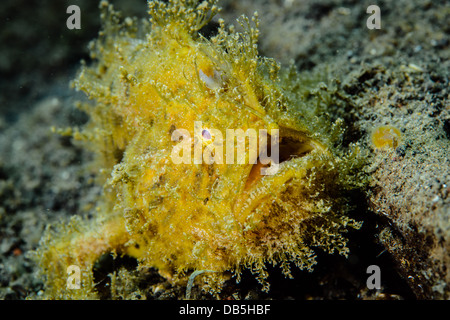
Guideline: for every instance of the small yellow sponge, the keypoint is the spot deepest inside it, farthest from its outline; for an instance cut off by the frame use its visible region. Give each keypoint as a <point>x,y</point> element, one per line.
<point>386,136</point>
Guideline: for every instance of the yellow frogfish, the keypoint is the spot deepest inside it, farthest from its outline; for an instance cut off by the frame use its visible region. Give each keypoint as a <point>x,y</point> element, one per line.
<point>212,158</point>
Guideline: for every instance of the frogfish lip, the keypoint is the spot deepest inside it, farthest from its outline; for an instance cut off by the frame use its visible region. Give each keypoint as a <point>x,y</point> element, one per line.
<point>286,187</point>
<point>292,144</point>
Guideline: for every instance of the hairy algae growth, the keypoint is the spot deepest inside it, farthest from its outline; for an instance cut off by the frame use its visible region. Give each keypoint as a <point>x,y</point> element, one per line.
<point>150,78</point>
